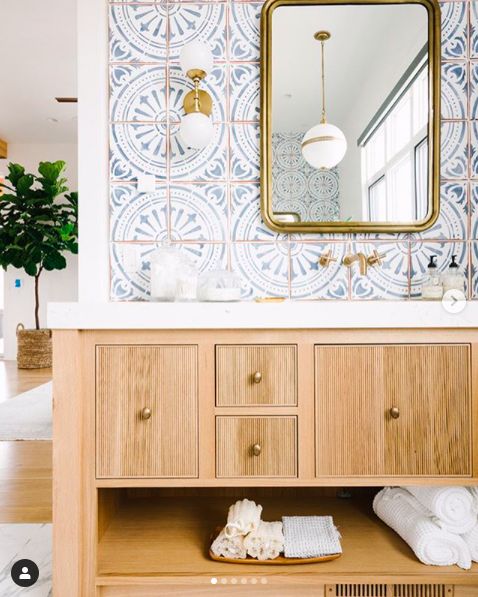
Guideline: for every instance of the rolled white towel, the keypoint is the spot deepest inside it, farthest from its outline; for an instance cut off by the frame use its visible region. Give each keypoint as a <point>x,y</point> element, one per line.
<point>432,544</point>
<point>266,542</point>
<point>471,539</point>
<point>229,547</point>
<point>454,506</point>
<point>243,517</point>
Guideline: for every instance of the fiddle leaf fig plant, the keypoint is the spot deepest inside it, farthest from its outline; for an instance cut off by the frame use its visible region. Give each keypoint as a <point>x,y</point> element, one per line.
<point>38,221</point>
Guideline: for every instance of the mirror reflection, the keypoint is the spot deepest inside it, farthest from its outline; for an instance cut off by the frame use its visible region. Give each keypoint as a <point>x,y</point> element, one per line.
<point>350,113</point>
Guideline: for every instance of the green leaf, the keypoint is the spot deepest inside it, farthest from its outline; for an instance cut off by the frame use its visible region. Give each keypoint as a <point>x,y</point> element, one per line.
<point>30,268</point>
<point>25,183</point>
<point>54,260</point>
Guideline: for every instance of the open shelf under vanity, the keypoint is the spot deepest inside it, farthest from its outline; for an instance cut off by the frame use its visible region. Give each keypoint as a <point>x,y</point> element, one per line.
<point>156,537</point>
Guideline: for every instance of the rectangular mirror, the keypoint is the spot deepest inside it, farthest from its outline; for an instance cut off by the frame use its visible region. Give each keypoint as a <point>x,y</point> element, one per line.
<point>350,108</point>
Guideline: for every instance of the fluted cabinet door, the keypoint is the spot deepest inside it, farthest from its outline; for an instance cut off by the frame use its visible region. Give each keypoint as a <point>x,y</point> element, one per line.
<point>146,411</point>
<point>393,410</point>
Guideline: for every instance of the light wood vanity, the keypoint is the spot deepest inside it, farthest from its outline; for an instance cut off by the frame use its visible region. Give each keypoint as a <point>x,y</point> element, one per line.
<point>157,431</point>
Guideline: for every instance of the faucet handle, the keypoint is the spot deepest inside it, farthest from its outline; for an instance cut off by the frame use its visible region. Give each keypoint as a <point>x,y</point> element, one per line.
<point>326,259</point>
<point>376,258</point>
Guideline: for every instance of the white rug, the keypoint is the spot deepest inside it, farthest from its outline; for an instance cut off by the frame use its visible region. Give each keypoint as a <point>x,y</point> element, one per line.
<point>28,415</point>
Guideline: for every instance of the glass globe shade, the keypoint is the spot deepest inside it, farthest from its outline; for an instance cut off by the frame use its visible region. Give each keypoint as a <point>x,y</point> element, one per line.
<point>196,56</point>
<point>196,130</point>
<point>328,148</point>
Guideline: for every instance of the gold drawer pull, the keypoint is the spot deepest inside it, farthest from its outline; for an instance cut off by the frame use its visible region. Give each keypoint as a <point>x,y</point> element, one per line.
<point>257,449</point>
<point>146,413</point>
<point>257,377</point>
<point>394,412</point>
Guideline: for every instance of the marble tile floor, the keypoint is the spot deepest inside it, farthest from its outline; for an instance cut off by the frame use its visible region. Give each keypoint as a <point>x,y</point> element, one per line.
<point>25,541</point>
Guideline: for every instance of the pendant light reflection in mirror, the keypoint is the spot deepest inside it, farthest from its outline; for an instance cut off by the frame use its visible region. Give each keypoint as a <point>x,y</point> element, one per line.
<point>324,145</point>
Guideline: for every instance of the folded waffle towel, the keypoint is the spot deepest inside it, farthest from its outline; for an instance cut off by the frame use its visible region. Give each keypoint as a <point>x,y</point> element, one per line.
<point>471,539</point>
<point>243,517</point>
<point>229,547</point>
<point>266,542</point>
<point>454,506</point>
<point>423,532</point>
<point>310,536</point>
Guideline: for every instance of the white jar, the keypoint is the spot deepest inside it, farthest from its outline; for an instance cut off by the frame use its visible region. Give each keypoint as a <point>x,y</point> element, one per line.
<point>432,288</point>
<point>173,275</point>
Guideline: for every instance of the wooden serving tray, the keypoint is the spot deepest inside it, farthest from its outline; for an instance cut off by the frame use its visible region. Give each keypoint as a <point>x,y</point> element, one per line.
<point>279,561</point>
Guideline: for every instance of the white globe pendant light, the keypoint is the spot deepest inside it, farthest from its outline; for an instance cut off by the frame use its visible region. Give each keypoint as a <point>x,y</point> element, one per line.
<point>324,145</point>
<point>197,129</point>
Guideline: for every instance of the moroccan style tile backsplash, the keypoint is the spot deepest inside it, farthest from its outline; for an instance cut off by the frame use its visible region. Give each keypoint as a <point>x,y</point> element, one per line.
<point>208,201</point>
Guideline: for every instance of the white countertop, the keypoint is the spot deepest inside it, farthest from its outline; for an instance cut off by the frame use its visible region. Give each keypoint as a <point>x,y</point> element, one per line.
<point>251,315</point>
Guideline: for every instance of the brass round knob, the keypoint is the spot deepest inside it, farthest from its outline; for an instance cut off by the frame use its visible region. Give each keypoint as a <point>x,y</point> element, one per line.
<point>257,449</point>
<point>146,413</point>
<point>394,412</point>
<point>257,377</point>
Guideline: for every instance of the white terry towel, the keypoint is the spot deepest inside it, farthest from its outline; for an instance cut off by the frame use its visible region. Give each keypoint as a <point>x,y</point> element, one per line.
<point>471,539</point>
<point>229,547</point>
<point>454,506</point>
<point>266,542</point>
<point>432,544</point>
<point>243,517</point>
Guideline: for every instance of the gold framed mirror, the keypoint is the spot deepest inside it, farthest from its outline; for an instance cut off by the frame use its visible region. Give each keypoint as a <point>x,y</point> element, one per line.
<point>350,115</point>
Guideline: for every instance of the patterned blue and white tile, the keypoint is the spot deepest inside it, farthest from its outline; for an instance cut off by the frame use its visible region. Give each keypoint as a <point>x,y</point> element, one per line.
<point>138,32</point>
<point>138,216</point>
<point>309,280</point>
<point>452,221</point>
<point>263,267</point>
<point>474,270</point>
<point>205,22</point>
<point>474,149</point>
<point>473,90</point>
<point>386,281</point>
<point>244,92</point>
<point>454,91</point>
<point>25,542</point>
<point>137,149</point>
<point>454,150</point>
<point>420,257</point>
<point>131,266</point>
<point>199,212</point>
<point>454,30</point>
<point>246,220</point>
<point>215,84</point>
<point>192,165</point>
<point>137,93</point>
<point>244,28</point>
<point>244,161</point>
<point>473,29</point>
<point>474,210</point>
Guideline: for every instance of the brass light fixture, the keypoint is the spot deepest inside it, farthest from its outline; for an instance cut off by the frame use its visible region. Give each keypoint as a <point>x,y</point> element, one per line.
<point>196,128</point>
<point>324,145</point>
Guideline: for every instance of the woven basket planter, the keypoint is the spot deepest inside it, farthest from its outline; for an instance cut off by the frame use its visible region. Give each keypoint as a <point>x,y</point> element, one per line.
<point>34,349</point>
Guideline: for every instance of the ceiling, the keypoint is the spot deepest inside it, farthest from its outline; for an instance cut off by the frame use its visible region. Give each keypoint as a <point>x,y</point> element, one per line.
<point>37,64</point>
<point>370,48</point>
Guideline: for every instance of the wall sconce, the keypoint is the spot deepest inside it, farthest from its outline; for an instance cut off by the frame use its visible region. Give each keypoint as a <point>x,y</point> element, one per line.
<point>197,129</point>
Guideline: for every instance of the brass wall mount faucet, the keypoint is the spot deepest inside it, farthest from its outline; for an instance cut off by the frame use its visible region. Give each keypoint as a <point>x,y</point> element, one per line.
<point>364,262</point>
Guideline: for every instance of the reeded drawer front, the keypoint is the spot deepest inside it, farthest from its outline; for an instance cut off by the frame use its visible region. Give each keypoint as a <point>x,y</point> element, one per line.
<point>256,446</point>
<point>259,375</point>
<point>146,411</point>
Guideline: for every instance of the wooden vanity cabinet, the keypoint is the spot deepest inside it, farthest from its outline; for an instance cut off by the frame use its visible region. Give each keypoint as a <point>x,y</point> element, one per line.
<point>146,411</point>
<point>393,410</point>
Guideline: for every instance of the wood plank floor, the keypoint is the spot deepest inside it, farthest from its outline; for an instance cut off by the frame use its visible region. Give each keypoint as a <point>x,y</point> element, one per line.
<point>25,466</point>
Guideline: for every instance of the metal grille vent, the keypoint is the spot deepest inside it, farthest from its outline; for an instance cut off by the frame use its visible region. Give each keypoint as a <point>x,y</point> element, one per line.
<point>379,590</point>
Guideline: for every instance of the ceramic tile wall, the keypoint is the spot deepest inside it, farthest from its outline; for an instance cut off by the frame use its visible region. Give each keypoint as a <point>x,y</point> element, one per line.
<point>208,201</point>
<point>299,188</point>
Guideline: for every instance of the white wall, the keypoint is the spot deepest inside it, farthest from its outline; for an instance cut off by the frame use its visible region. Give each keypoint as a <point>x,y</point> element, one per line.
<point>54,286</point>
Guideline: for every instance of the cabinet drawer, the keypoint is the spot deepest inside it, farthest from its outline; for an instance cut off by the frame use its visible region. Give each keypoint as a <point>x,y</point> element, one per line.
<point>259,375</point>
<point>146,411</point>
<point>256,446</point>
